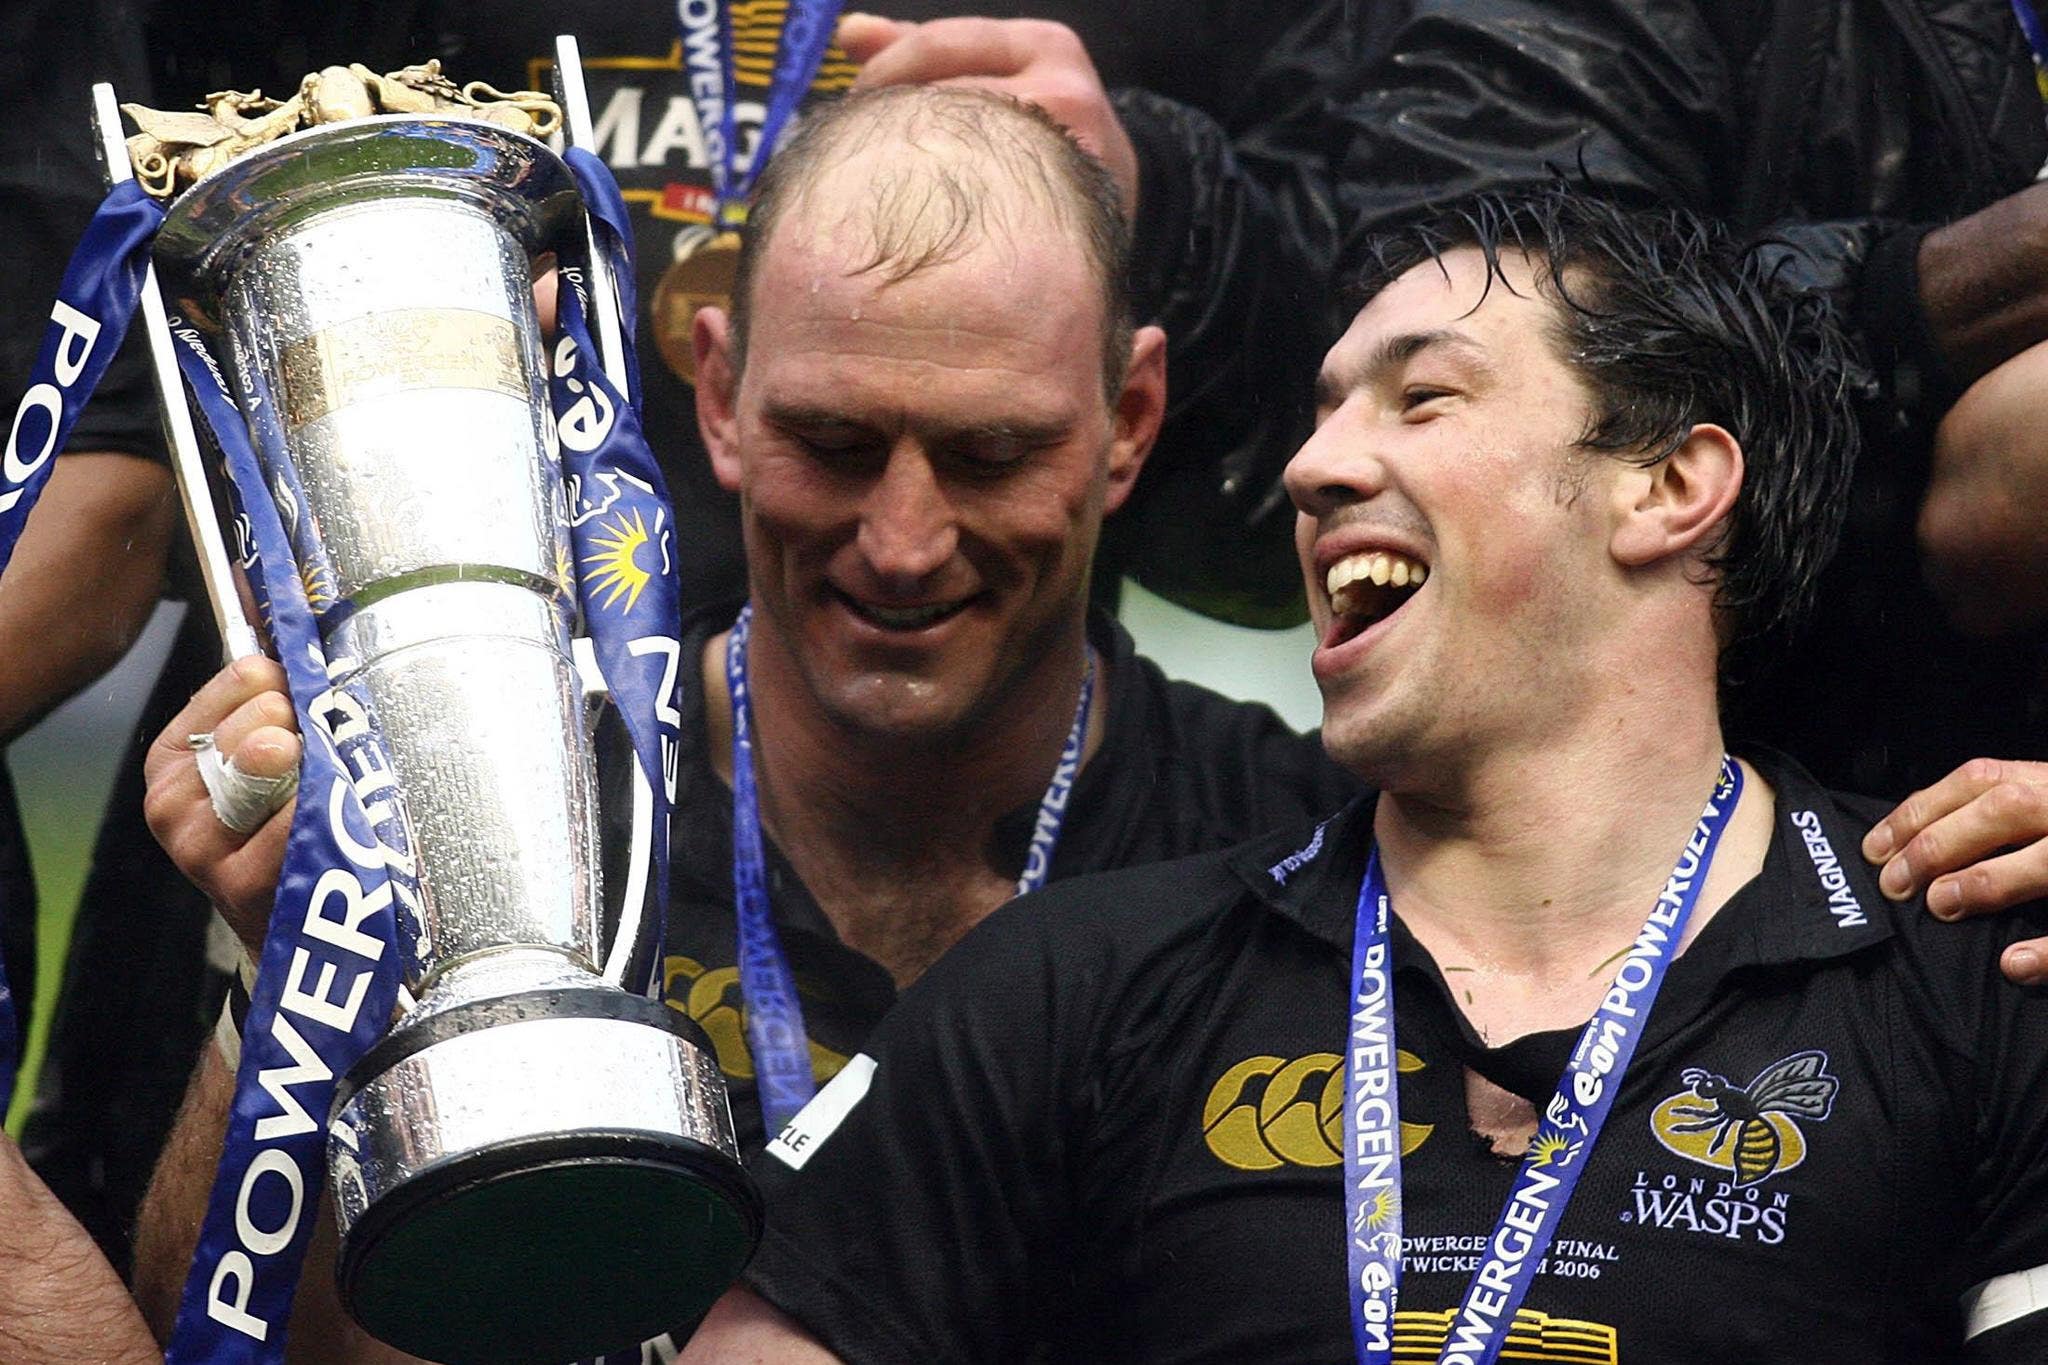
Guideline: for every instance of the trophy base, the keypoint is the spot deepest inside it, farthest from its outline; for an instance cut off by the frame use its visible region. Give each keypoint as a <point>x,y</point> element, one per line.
<point>538,1178</point>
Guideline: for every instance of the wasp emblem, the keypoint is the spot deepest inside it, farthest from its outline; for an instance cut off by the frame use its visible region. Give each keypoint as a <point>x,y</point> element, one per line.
<point>1750,1131</point>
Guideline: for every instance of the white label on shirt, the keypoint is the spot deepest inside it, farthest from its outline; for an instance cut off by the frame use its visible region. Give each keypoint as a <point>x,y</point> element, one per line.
<point>2004,1299</point>
<point>819,1119</point>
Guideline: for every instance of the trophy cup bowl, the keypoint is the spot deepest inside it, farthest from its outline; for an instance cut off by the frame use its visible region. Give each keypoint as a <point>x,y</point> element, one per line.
<point>534,1163</point>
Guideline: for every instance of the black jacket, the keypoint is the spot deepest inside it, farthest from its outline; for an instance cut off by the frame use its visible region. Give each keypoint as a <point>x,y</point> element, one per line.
<point>1842,125</point>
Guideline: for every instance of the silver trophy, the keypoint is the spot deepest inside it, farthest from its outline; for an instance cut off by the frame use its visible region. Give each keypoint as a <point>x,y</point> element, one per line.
<point>534,1163</point>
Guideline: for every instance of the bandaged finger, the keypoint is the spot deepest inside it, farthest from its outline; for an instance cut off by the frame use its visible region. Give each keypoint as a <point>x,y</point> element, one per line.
<point>241,801</point>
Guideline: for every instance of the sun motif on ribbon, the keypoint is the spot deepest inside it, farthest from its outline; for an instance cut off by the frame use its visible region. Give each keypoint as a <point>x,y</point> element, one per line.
<point>615,569</point>
<point>1380,1211</point>
<point>319,587</point>
<point>1551,1149</point>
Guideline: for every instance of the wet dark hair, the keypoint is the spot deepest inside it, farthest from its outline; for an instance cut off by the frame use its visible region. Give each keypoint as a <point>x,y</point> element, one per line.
<point>1669,322</point>
<point>926,211</point>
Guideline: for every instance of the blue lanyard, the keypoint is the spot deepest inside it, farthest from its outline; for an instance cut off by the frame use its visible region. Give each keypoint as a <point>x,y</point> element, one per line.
<point>774,1015</point>
<point>807,28</point>
<point>706,29</point>
<point>1571,1121</point>
<point>2030,24</point>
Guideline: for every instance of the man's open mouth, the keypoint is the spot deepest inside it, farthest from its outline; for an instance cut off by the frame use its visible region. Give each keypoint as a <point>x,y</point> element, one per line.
<point>905,618</point>
<point>1368,587</point>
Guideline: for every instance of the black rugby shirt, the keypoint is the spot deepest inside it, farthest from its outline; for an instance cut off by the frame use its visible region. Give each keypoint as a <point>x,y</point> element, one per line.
<point>1110,1119</point>
<point>1180,770</point>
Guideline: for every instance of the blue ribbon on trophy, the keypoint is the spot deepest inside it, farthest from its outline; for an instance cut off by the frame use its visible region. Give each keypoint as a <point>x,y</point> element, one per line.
<point>613,228</point>
<point>94,302</point>
<point>630,598</point>
<point>328,979</point>
<point>631,590</point>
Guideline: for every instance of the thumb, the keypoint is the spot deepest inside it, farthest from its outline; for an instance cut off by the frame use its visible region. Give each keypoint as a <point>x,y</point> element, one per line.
<point>861,36</point>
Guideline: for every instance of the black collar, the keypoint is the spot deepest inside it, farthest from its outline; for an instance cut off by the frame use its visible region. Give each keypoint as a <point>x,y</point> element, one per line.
<point>1111,792</point>
<point>1814,899</point>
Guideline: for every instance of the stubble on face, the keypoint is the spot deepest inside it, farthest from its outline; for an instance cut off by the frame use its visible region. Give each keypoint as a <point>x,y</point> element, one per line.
<point>1450,423</point>
<point>922,474</point>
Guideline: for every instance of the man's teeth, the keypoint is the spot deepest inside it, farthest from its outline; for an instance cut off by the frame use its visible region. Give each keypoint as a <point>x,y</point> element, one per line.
<point>906,618</point>
<point>1351,580</point>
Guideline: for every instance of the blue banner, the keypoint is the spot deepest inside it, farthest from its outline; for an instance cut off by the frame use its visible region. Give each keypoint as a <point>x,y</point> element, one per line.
<point>330,967</point>
<point>328,978</point>
<point>95,300</point>
<point>624,545</point>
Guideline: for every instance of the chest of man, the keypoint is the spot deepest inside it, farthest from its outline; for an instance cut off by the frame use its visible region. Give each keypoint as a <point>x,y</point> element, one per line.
<point>1782,1177</point>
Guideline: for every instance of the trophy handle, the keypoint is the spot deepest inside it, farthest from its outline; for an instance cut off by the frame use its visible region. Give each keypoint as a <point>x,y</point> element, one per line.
<point>606,329</point>
<point>238,637</point>
<point>619,958</point>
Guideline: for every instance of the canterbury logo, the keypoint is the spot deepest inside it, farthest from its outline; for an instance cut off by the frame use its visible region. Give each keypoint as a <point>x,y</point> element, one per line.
<point>1750,1131</point>
<point>712,998</point>
<point>1268,1112</point>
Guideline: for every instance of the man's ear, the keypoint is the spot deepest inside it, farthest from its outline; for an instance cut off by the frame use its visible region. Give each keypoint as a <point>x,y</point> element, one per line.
<point>1679,504</point>
<point>1139,410</point>
<point>717,392</point>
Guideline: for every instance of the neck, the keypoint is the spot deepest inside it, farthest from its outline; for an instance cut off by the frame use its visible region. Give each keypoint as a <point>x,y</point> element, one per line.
<point>892,834</point>
<point>1528,876</point>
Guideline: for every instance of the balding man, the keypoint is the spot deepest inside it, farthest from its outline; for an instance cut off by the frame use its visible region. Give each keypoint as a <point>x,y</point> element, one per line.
<point>927,396</point>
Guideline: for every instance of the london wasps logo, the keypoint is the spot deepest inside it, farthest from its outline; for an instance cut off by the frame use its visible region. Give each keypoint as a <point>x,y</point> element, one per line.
<point>1268,1112</point>
<point>1751,1131</point>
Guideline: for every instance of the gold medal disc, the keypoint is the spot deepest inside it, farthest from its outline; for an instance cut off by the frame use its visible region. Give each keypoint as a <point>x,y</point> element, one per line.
<point>701,279</point>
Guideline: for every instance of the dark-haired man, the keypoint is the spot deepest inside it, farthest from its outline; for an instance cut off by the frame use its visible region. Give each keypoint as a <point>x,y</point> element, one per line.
<point>1567,459</point>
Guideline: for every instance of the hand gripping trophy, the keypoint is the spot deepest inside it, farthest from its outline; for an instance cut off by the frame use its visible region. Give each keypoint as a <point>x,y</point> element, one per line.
<point>535,1161</point>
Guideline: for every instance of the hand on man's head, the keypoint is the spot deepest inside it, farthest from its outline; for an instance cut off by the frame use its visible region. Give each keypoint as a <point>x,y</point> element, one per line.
<point>1035,60</point>
<point>248,713</point>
